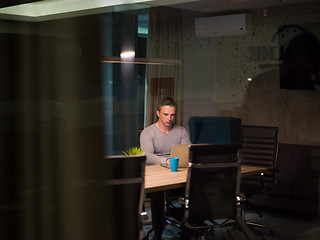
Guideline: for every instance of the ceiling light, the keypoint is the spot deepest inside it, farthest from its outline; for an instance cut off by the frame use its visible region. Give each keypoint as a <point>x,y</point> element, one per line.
<point>53,9</point>
<point>127,54</point>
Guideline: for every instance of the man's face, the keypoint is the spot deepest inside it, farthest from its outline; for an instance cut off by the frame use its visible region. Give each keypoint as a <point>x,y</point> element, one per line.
<point>166,115</point>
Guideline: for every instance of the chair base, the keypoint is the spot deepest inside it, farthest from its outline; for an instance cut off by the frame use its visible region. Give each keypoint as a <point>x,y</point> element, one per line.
<point>239,224</point>
<point>253,226</point>
<point>245,228</point>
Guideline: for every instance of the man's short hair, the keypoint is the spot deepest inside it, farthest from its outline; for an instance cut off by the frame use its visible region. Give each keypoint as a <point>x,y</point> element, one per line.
<point>166,102</point>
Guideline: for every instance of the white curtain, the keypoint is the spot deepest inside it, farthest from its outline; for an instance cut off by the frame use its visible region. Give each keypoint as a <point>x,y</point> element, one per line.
<point>164,43</point>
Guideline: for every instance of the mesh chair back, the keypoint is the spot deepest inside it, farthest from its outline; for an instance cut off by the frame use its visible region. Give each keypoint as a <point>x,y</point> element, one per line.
<point>125,194</point>
<point>259,147</point>
<point>212,182</point>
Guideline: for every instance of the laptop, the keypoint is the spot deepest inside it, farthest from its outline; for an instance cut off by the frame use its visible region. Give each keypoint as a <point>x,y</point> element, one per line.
<point>182,152</point>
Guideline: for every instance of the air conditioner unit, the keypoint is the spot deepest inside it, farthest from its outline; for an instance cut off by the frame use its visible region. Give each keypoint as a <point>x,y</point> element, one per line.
<point>221,25</point>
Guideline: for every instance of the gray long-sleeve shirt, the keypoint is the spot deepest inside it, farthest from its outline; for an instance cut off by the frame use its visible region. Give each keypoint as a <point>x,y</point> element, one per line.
<point>157,146</point>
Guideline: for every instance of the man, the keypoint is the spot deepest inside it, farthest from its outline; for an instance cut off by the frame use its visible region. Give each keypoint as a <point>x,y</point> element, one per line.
<point>156,142</point>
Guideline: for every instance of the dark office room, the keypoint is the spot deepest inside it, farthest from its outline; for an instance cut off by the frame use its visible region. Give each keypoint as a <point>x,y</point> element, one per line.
<point>72,103</point>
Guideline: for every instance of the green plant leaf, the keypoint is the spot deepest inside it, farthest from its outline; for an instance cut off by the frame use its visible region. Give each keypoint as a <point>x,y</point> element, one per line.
<point>133,151</point>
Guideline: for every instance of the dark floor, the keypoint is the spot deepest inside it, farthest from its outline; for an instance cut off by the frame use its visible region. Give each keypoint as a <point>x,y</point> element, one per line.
<point>286,226</point>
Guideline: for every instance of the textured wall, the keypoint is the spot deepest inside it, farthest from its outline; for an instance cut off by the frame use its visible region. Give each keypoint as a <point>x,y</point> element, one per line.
<point>254,55</point>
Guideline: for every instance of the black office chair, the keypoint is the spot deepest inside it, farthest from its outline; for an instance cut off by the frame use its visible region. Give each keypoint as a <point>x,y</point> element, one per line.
<point>259,147</point>
<point>125,194</point>
<point>211,192</point>
<point>147,200</point>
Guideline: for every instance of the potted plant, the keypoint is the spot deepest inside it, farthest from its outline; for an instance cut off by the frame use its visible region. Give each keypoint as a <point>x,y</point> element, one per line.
<point>133,151</point>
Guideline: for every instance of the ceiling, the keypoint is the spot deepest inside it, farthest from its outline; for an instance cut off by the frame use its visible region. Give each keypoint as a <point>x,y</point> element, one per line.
<point>211,6</point>
<point>55,9</point>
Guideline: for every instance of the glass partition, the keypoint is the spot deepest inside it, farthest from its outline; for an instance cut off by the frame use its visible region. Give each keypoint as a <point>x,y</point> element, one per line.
<point>68,98</point>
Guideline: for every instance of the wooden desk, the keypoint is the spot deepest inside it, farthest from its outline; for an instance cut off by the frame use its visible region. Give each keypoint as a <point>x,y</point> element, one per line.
<point>159,178</point>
